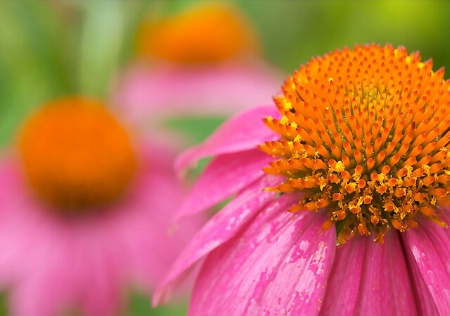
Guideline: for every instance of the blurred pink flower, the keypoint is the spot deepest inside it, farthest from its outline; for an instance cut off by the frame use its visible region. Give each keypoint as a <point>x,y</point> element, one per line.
<point>86,212</point>
<point>357,146</point>
<point>219,89</point>
<point>201,61</point>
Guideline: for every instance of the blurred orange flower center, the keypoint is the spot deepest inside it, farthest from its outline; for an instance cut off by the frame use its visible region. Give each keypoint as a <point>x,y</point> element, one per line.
<point>365,133</point>
<point>76,154</point>
<point>205,33</point>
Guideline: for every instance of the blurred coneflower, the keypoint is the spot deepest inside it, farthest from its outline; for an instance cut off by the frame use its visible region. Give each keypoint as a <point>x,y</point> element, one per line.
<point>341,195</point>
<point>204,60</point>
<point>86,212</point>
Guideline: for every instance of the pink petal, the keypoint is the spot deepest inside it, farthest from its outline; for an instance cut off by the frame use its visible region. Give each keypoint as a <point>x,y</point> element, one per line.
<point>104,278</point>
<point>370,278</point>
<point>429,245</point>
<point>278,265</point>
<point>72,278</point>
<point>146,92</point>
<point>226,174</point>
<point>31,298</point>
<point>242,132</point>
<point>423,299</point>
<point>223,226</point>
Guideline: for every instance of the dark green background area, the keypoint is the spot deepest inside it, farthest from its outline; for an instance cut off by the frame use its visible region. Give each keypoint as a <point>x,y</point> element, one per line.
<point>52,48</point>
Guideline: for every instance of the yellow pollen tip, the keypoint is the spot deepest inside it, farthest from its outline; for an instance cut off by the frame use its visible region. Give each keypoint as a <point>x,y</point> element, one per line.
<point>76,155</point>
<point>366,133</point>
<point>205,33</point>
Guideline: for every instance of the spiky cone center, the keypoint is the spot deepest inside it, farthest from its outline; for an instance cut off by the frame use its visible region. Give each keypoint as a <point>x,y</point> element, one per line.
<point>207,32</point>
<point>364,134</point>
<point>76,155</point>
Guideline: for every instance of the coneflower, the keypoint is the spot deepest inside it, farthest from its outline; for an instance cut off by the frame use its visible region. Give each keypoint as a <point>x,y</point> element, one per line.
<point>340,195</point>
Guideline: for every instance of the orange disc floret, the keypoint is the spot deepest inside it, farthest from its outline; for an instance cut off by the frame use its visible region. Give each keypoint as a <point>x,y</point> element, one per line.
<point>205,33</point>
<point>76,154</point>
<point>368,131</point>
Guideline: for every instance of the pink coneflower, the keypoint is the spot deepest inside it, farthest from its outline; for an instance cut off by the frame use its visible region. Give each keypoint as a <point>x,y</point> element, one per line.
<point>85,212</point>
<point>203,60</point>
<point>340,195</point>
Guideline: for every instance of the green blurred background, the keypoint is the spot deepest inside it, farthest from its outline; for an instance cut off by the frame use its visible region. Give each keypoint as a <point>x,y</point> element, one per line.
<point>51,48</point>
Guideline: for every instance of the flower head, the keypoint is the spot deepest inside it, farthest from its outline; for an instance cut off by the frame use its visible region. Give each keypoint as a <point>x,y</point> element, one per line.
<point>66,149</point>
<point>205,33</point>
<point>364,133</point>
<point>357,145</point>
<point>85,211</point>
<point>201,60</point>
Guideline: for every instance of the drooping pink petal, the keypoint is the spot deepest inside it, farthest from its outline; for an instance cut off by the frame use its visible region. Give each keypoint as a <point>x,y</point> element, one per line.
<point>423,299</point>
<point>430,250</point>
<point>150,92</point>
<point>74,277</point>
<point>242,132</point>
<point>103,277</point>
<point>156,196</point>
<point>278,266</point>
<point>368,278</point>
<point>225,175</point>
<point>30,297</point>
<point>12,222</point>
<point>223,226</point>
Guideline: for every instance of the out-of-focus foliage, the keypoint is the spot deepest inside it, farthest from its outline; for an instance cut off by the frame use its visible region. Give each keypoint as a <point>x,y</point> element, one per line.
<point>52,48</point>
<point>293,31</point>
